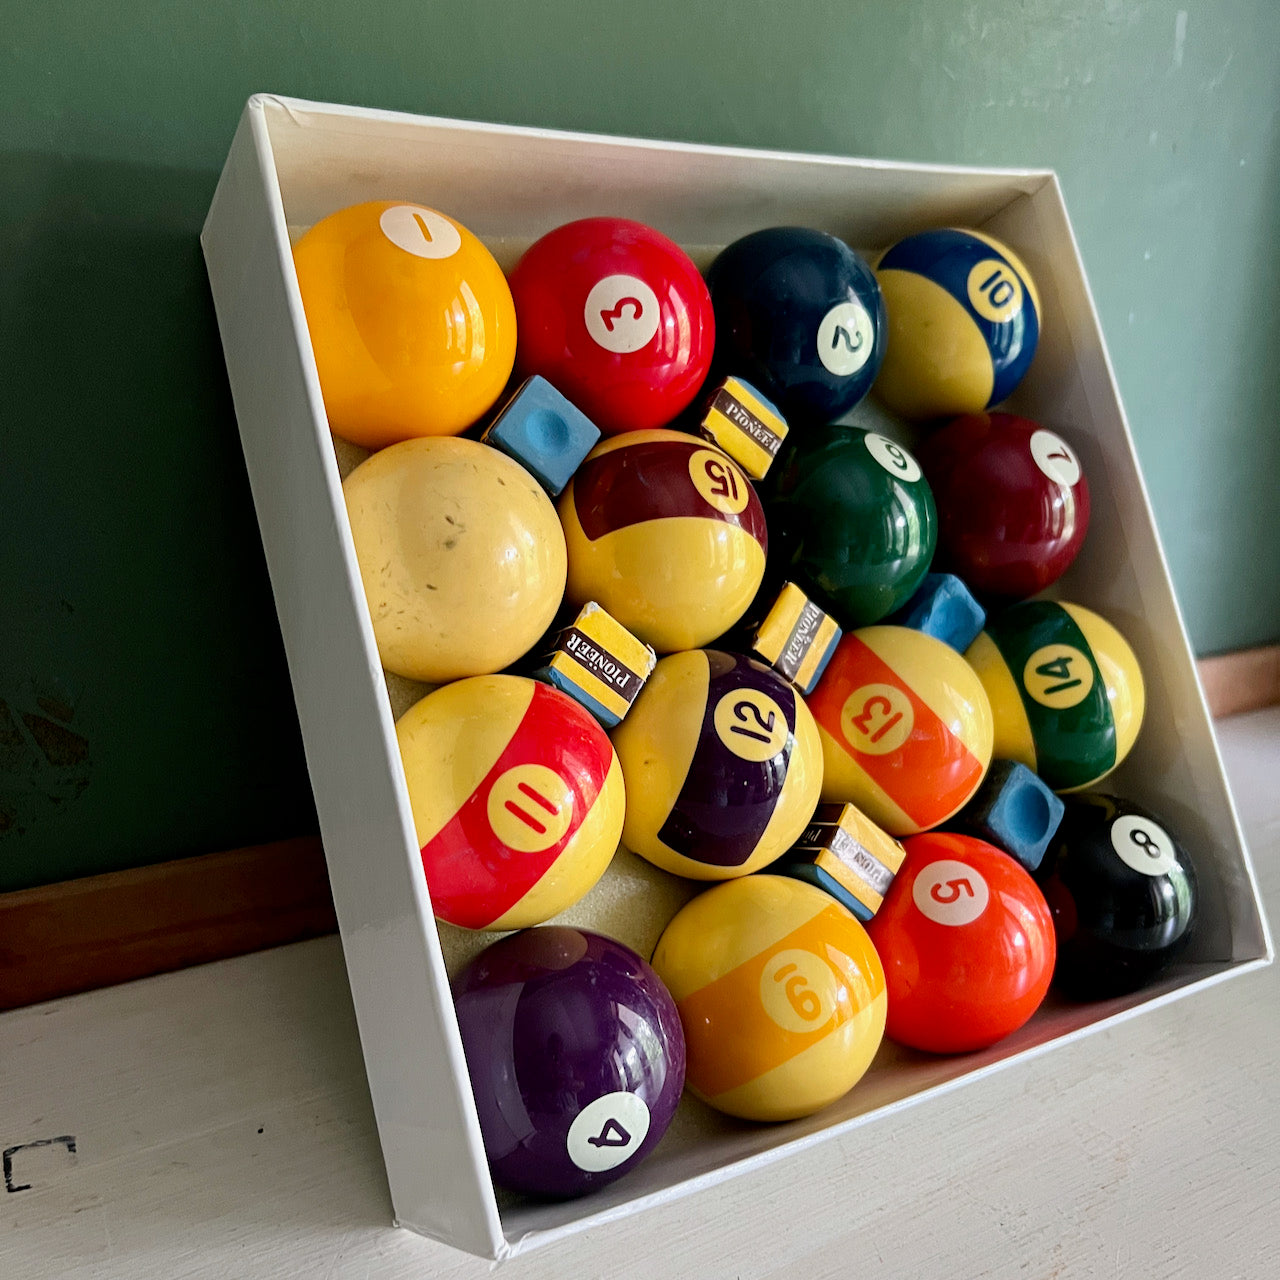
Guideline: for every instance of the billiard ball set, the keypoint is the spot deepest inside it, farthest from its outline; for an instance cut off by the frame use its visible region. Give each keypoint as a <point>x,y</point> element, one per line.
<point>669,512</point>
<point>342,609</point>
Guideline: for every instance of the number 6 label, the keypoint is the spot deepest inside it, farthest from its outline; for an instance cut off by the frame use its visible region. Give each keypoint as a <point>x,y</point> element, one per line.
<point>950,893</point>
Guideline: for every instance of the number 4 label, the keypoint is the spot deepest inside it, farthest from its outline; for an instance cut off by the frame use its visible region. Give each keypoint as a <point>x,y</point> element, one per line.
<point>608,1131</point>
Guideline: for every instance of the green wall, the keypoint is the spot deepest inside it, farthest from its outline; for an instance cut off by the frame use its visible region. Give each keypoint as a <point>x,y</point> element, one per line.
<point>144,703</point>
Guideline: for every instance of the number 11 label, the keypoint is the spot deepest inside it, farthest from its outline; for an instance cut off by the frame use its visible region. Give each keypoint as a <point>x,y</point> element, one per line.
<point>608,1131</point>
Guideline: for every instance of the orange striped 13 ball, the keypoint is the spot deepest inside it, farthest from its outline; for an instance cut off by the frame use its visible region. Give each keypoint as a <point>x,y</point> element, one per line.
<point>905,725</point>
<point>667,534</point>
<point>517,799</point>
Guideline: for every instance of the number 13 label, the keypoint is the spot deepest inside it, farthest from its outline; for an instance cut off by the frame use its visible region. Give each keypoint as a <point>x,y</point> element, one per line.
<point>950,892</point>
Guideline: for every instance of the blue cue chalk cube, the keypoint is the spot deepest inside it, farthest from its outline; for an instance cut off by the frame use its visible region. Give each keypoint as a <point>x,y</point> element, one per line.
<point>944,608</point>
<point>543,432</point>
<point>1015,810</point>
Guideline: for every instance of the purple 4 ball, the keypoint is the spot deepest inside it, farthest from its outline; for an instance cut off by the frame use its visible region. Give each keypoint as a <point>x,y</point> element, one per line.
<point>576,1056</point>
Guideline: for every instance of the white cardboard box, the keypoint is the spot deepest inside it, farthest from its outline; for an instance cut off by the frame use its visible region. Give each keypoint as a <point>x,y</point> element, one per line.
<point>292,163</point>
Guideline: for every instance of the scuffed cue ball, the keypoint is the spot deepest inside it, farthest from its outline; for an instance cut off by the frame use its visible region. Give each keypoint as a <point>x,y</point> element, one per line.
<point>667,534</point>
<point>411,321</point>
<point>722,763</point>
<point>781,995</point>
<point>461,555</point>
<point>517,799</point>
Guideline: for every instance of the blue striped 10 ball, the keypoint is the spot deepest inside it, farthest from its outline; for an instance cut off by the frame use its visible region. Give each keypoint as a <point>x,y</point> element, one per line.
<point>963,323</point>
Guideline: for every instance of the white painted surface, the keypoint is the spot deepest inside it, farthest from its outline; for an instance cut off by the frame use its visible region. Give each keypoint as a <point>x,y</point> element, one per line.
<point>223,1129</point>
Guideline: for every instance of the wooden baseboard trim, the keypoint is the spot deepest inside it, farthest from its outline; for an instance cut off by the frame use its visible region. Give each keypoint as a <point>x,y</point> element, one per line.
<point>63,938</point>
<point>1243,681</point>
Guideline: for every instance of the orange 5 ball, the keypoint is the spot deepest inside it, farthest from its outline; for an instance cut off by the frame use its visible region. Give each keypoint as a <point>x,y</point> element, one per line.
<point>411,321</point>
<point>967,943</point>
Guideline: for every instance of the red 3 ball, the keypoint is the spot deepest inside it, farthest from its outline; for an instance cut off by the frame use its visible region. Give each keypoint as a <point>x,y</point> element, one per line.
<point>1013,502</point>
<point>967,943</point>
<point>617,318</point>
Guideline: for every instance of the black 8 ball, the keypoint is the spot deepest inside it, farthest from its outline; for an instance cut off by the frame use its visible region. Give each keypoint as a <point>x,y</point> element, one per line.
<point>1122,891</point>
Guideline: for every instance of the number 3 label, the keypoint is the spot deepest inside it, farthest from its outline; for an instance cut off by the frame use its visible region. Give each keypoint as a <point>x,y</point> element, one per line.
<point>950,892</point>
<point>608,1131</point>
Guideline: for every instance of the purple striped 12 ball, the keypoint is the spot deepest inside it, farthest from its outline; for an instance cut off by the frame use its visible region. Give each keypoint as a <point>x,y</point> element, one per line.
<point>576,1056</point>
<point>722,763</point>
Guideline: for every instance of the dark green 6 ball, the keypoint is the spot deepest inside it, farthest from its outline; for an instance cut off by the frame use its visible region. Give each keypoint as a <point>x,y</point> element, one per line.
<point>853,521</point>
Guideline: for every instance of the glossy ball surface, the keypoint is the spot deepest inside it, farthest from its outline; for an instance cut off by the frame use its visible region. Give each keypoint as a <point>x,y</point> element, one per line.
<point>1067,694</point>
<point>1013,503</point>
<point>798,315</point>
<point>905,725</point>
<point>1123,893</point>
<point>517,799</point>
<point>667,534</point>
<point>461,555</point>
<point>722,764</point>
<point>967,944</point>
<point>781,995</point>
<point>963,323</point>
<point>411,321</point>
<point>576,1058</point>
<point>853,521</point>
<point>616,317</point>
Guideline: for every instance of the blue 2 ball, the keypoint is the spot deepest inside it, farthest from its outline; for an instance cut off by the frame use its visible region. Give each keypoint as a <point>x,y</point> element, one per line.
<point>798,315</point>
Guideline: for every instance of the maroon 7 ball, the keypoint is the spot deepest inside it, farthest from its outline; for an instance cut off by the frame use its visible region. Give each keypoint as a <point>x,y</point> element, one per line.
<point>1013,503</point>
<point>576,1056</point>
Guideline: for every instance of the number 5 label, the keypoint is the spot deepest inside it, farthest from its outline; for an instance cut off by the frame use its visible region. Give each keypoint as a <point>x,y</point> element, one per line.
<point>950,892</point>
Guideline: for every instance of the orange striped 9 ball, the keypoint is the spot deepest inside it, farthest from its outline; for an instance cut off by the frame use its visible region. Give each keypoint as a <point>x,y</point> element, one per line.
<point>781,995</point>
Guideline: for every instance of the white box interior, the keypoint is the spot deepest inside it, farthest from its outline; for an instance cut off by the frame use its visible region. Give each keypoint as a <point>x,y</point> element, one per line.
<point>294,162</point>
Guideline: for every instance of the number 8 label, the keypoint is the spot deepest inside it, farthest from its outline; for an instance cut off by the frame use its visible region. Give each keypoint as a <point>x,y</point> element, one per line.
<point>1143,845</point>
<point>950,892</point>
